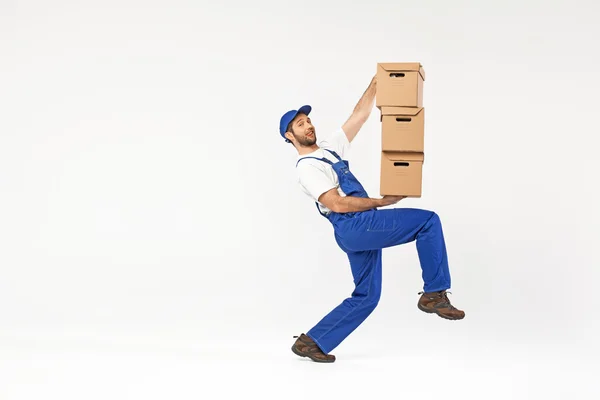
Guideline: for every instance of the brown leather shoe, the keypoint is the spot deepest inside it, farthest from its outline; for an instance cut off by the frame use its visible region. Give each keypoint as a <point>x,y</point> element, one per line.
<point>306,347</point>
<point>438,303</point>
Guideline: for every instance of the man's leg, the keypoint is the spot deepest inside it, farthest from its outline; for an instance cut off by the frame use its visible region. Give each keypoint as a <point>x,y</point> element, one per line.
<point>346,317</point>
<point>390,227</point>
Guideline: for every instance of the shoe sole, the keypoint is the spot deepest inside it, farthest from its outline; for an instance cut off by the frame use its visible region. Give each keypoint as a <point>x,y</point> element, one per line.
<point>296,352</point>
<point>438,314</point>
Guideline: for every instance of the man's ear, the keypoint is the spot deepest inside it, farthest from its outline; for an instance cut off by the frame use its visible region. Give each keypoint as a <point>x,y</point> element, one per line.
<point>289,136</point>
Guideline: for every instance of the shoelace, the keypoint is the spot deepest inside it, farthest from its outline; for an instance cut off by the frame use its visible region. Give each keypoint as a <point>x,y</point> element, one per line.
<point>446,302</point>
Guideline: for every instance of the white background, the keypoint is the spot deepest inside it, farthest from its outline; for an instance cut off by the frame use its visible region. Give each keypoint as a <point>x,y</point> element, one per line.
<point>154,242</point>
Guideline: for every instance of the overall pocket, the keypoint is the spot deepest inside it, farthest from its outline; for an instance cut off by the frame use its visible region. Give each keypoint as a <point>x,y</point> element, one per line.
<point>380,222</point>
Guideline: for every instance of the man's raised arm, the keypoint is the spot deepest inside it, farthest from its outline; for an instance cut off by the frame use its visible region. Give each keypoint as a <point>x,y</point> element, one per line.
<point>361,111</point>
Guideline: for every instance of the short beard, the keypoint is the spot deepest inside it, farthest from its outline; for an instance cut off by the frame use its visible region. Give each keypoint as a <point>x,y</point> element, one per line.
<point>306,141</point>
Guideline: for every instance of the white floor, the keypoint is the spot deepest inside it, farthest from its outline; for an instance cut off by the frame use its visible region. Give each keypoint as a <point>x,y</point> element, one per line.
<point>76,366</point>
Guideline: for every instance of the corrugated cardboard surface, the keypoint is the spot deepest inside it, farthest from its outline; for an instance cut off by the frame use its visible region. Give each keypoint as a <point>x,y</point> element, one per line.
<point>403,129</point>
<point>401,173</point>
<point>400,84</point>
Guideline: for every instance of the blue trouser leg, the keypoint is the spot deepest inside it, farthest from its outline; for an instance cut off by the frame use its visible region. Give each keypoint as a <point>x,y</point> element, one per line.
<point>390,227</point>
<point>346,317</point>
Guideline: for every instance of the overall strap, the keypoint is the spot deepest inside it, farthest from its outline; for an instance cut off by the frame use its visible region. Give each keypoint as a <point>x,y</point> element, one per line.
<point>334,154</point>
<point>316,158</point>
<point>320,159</point>
<point>319,209</point>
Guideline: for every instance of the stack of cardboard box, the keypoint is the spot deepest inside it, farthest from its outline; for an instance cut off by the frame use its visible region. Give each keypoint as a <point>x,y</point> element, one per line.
<point>400,101</point>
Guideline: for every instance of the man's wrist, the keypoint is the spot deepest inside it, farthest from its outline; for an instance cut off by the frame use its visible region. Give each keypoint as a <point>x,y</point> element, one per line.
<point>379,202</point>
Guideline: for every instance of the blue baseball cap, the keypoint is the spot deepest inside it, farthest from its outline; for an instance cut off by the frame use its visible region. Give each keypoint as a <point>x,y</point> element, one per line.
<point>289,116</point>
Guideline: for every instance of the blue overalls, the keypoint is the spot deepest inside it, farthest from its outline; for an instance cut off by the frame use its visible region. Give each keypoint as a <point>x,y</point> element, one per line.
<point>362,236</point>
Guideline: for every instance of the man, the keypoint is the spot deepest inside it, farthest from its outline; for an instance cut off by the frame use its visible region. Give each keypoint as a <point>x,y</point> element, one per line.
<point>361,230</point>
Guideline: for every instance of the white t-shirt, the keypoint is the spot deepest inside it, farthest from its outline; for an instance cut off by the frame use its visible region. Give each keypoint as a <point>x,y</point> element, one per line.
<point>317,177</point>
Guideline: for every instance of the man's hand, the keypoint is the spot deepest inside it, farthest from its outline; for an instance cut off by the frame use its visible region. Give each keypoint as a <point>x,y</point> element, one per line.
<point>388,200</point>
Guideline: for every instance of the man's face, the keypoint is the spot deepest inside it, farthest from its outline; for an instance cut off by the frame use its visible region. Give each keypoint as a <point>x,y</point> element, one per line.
<point>304,131</point>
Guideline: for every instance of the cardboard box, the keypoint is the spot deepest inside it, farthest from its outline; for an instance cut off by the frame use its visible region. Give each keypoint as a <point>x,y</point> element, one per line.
<point>403,129</point>
<point>400,85</point>
<point>401,173</point>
